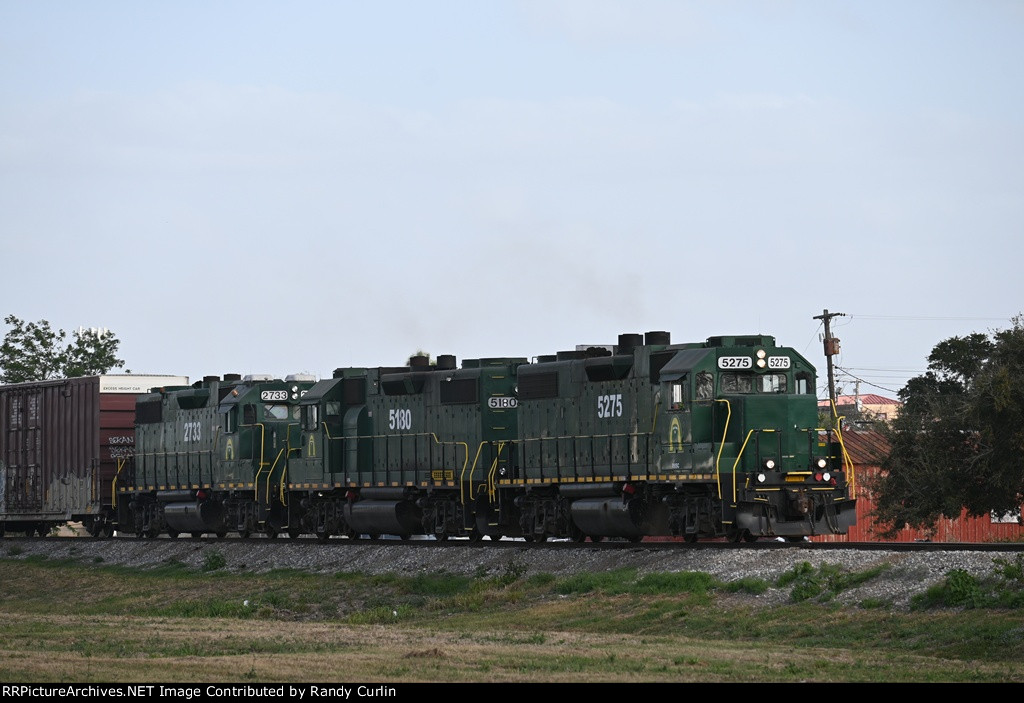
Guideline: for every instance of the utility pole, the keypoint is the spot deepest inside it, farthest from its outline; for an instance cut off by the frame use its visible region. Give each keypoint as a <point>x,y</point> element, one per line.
<point>831,349</point>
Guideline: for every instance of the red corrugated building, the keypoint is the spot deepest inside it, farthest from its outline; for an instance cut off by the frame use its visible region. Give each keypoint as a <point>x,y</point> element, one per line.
<point>867,449</point>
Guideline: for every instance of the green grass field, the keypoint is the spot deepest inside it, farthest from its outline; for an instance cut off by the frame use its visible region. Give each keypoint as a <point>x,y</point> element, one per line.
<point>75,622</point>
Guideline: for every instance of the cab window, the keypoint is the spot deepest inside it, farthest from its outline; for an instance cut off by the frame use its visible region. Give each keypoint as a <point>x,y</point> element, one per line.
<point>275,411</point>
<point>803,383</point>
<point>735,383</point>
<point>773,383</point>
<point>705,386</point>
<point>310,417</point>
<point>678,393</point>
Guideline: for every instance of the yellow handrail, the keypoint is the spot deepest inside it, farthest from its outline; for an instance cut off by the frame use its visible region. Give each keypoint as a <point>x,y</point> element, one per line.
<point>851,473</point>
<point>121,461</point>
<point>736,463</point>
<point>491,471</point>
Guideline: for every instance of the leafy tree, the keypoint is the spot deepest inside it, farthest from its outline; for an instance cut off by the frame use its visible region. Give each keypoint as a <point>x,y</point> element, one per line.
<point>958,442</point>
<point>33,351</point>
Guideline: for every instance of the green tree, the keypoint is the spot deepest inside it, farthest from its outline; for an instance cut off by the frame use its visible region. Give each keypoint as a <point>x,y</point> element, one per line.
<point>33,351</point>
<point>958,441</point>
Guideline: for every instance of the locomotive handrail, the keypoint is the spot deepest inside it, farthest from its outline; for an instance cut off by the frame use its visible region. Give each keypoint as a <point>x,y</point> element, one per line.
<point>472,470</point>
<point>575,454</point>
<point>740,455</point>
<point>493,470</point>
<point>284,475</point>
<point>121,461</point>
<point>721,446</point>
<point>263,442</point>
<point>851,472</point>
<point>847,461</point>
<point>177,455</point>
<point>404,435</point>
<point>736,463</point>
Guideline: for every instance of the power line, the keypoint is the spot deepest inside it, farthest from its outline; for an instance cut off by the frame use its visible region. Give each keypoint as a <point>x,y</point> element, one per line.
<point>923,317</point>
<point>869,383</point>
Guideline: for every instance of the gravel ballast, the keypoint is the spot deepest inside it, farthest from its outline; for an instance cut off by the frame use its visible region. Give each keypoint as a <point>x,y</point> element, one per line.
<point>908,572</point>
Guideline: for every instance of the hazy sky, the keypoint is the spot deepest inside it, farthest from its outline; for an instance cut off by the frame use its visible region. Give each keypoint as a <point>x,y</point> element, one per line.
<point>269,187</point>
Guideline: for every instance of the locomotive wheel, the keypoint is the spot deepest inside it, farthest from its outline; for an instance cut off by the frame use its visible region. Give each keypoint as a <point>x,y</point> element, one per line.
<point>244,534</point>
<point>576,534</point>
<point>475,536</point>
<point>441,537</point>
<point>323,536</point>
<point>597,538</point>
<point>691,538</point>
<point>405,538</point>
<point>749,536</point>
<point>293,532</point>
<point>271,532</point>
<point>221,534</point>
<point>173,534</point>
<point>735,534</point>
<point>635,538</point>
<point>197,535</point>
<point>42,529</point>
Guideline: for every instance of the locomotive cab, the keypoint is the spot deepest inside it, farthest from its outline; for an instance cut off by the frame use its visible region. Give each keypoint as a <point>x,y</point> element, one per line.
<point>776,476</point>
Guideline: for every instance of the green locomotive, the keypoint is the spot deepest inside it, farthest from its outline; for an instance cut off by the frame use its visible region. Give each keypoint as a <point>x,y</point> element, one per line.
<point>404,451</point>
<point>644,438</point>
<point>211,457</point>
<point>702,440</point>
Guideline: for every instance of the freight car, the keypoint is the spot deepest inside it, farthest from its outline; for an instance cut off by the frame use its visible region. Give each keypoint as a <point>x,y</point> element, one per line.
<point>60,444</point>
<point>641,438</point>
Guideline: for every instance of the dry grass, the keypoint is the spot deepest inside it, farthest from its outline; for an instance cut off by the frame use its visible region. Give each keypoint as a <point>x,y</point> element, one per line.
<point>115,626</point>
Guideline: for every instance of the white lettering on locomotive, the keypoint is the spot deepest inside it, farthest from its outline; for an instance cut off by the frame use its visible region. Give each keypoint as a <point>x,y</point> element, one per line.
<point>400,419</point>
<point>609,405</point>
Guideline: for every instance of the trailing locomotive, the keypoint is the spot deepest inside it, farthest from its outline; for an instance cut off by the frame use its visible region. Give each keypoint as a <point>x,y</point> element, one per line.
<point>643,438</point>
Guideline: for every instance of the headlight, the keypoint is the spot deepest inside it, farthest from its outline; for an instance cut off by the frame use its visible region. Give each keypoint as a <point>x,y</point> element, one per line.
<point>761,478</point>
<point>822,463</point>
<point>769,464</point>
<point>826,477</point>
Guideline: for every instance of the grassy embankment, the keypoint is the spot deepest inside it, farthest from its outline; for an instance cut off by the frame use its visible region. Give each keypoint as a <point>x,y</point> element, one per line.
<point>69,621</point>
